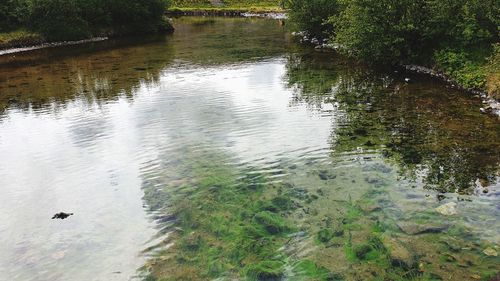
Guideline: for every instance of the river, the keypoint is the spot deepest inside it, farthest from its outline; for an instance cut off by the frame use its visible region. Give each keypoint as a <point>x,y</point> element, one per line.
<point>228,150</point>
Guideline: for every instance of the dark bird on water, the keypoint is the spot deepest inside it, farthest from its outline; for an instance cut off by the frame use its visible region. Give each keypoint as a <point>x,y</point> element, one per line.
<point>62,215</point>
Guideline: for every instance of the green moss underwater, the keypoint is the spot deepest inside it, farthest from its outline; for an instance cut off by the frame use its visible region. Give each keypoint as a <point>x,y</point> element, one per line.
<point>227,223</point>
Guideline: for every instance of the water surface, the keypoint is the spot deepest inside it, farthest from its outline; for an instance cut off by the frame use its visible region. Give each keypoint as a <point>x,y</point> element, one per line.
<point>227,148</point>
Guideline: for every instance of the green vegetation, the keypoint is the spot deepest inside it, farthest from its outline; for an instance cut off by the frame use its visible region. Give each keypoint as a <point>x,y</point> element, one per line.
<point>228,225</point>
<point>19,37</point>
<point>78,19</point>
<point>227,5</point>
<point>455,36</point>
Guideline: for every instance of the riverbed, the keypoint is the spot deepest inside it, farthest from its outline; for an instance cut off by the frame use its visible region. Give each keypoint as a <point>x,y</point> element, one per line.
<point>229,150</point>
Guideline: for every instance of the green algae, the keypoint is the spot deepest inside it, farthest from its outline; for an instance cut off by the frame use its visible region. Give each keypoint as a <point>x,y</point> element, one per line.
<point>347,219</point>
<point>309,270</point>
<point>226,225</point>
<point>265,270</point>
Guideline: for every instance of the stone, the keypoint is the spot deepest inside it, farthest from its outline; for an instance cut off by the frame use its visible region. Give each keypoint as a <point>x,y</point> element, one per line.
<point>490,252</point>
<point>370,208</point>
<point>398,253</point>
<point>412,228</point>
<point>447,209</point>
<point>325,175</point>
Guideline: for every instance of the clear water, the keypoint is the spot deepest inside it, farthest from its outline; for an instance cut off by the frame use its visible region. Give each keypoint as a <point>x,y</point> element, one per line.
<point>163,148</point>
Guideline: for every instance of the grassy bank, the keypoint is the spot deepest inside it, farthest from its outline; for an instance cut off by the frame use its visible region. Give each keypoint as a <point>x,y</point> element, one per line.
<point>226,6</point>
<point>19,38</point>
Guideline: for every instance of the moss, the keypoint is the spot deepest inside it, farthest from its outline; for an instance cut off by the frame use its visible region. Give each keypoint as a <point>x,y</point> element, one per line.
<point>283,203</point>
<point>272,223</point>
<point>265,270</point>
<point>309,270</point>
<point>278,204</point>
<point>372,250</point>
<point>325,235</point>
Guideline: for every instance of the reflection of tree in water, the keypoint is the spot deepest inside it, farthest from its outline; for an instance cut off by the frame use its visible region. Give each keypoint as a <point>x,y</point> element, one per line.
<point>106,71</point>
<point>426,128</point>
<point>93,78</point>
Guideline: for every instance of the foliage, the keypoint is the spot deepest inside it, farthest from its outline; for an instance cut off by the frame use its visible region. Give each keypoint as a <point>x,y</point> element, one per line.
<point>78,19</point>
<point>13,14</point>
<point>312,15</point>
<point>384,30</point>
<point>469,73</point>
<point>438,32</point>
<point>58,20</point>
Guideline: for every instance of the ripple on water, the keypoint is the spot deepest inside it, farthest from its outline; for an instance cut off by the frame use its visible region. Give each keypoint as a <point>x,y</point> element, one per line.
<point>107,134</point>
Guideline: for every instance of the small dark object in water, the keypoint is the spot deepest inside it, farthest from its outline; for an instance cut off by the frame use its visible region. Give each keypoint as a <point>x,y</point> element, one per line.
<point>325,175</point>
<point>361,132</point>
<point>62,215</point>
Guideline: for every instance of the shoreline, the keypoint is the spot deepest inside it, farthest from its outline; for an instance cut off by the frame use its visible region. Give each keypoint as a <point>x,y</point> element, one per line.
<point>492,106</point>
<point>35,42</point>
<point>36,45</point>
<point>228,12</point>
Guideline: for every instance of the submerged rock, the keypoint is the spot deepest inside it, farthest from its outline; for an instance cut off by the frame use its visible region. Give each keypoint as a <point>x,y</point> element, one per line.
<point>490,252</point>
<point>398,253</point>
<point>370,208</point>
<point>447,209</point>
<point>326,175</point>
<point>412,228</point>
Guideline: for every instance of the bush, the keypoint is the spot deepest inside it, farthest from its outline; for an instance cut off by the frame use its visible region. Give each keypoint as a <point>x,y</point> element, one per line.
<point>13,14</point>
<point>469,73</point>
<point>78,19</point>
<point>59,20</point>
<point>312,15</point>
<point>381,31</point>
<point>132,16</point>
<point>493,73</point>
<point>405,31</point>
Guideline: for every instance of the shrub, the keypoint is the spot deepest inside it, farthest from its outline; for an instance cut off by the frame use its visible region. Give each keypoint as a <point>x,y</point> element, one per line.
<point>77,19</point>
<point>381,31</point>
<point>460,67</point>
<point>58,20</point>
<point>131,16</point>
<point>13,14</point>
<point>406,31</point>
<point>312,15</point>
